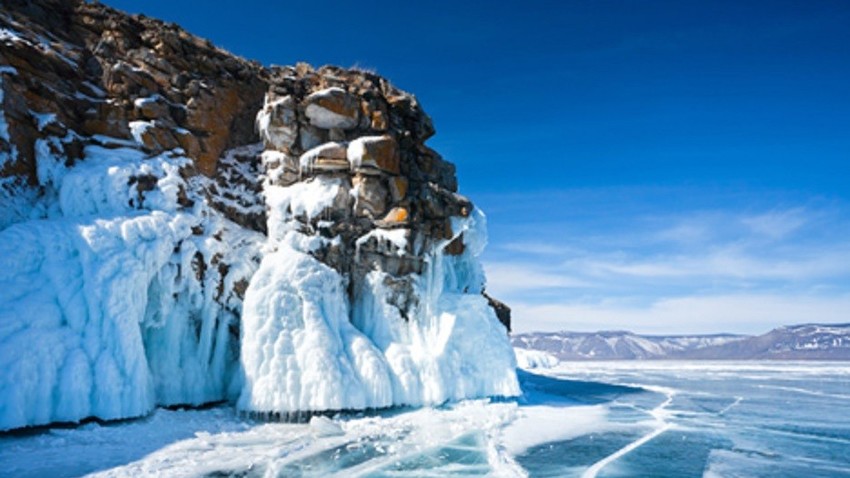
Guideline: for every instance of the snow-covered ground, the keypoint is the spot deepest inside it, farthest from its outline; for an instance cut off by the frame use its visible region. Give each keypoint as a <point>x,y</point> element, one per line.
<point>579,419</point>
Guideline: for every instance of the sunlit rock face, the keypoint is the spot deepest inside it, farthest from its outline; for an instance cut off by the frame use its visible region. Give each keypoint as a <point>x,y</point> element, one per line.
<point>181,226</point>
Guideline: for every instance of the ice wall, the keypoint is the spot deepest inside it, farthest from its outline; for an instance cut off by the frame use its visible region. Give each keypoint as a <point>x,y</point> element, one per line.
<point>105,311</point>
<point>316,338</point>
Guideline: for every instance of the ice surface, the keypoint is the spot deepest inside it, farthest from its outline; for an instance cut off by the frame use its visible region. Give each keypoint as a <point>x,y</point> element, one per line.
<point>4,126</point>
<point>308,199</point>
<point>299,351</point>
<point>570,429</point>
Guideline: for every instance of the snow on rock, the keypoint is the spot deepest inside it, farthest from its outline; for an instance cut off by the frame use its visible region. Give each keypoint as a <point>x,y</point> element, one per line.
<point>332,108</point>
<point>328,156</point>
<point>374,152</point>
<point>307,199</point>
<point>397,239</point>
<point>138,130</point>
<point>276,122</point>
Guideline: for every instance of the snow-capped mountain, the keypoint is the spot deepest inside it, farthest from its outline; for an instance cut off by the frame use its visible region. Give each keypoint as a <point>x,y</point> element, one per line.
<point>795,342</point>
<point>798,342</point>
<point>616,345</point>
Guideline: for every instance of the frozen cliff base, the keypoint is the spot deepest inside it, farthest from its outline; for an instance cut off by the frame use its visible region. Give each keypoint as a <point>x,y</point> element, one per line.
<point>106,313</point>
<point>103,310</point>
<point>300,352</point>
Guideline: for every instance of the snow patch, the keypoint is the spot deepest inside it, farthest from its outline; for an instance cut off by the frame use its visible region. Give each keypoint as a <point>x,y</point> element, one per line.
<point>396,237</point>
<point>138,129</point>
<point>308,199</point>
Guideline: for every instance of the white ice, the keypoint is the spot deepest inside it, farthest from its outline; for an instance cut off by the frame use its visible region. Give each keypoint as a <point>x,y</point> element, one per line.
<point>104,313</point>
<point>306,347</point>
<point>116,296</point>
<point>531,359</point>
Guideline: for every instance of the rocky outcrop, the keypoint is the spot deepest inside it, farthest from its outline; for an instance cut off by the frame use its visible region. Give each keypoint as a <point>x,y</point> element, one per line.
<point>332,159</point>
<point>503,312</point>
<point>78,73</point>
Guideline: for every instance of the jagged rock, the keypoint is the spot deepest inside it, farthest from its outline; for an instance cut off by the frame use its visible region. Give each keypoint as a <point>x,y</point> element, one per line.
<point>503,312</point>
<point>371,196</point>
<point>278,123</point>
<point>329,156</point>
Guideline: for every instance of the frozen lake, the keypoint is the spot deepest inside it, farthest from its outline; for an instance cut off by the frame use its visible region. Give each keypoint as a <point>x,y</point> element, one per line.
<point>609,419</point>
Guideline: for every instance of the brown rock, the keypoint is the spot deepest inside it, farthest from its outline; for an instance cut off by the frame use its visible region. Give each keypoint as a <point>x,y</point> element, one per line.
<point>379,121</point>
<point>371,196</point>
<point>375,153</point>
<point>456,247</point>
<point>398,187</point>
<point>332,108</point>
<point>503,312</point>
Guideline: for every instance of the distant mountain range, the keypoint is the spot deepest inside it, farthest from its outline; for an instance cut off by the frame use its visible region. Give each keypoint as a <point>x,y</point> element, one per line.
<point>796,342</point>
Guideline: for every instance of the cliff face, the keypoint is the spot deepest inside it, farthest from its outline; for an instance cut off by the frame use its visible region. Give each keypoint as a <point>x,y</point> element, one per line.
<point>180,225</point>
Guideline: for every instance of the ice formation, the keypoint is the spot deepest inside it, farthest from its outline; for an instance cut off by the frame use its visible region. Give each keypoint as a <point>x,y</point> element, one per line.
<point>104,311</point>
<point>169,240</point>
<point>306,348</point>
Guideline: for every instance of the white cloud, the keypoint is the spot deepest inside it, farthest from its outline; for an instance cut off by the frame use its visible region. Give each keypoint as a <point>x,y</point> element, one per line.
<point>505,279</point>
<point>776,224</point>
<point>741,313</point>
<point>729,262</point>
<point>698,270</point>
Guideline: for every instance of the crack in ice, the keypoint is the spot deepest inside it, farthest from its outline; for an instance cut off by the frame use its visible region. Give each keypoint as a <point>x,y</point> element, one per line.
<point>656,413</point>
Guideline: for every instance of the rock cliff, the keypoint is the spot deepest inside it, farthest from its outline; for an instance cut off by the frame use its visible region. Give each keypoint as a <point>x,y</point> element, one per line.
<point>179,225</point>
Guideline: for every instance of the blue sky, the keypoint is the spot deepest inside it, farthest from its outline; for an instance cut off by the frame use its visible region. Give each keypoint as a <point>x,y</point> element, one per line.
<point>663,167</point>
